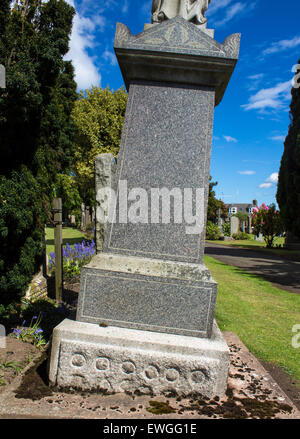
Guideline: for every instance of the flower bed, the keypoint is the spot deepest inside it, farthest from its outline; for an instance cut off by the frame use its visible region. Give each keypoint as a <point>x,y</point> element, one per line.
<point>74,258</point>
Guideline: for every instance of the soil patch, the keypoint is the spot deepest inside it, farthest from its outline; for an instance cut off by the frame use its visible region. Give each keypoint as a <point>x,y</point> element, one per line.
<point>18,354</point>
<point>285,381</point>
<point>34,384</point>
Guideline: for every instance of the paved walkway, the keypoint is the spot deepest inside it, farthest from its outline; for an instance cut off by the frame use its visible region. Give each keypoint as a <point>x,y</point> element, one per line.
<point>283,273</point>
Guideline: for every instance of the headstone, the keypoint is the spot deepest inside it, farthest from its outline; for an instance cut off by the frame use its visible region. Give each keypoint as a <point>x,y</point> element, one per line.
<point>105,165</point>
<point>2,76</point>
<point>234,225</point>
<point>249,225</point>
<point>259,237</point>
<point>145,317</point>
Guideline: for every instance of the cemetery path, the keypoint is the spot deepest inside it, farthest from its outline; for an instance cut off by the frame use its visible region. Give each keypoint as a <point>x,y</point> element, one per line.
<point>282,273</point>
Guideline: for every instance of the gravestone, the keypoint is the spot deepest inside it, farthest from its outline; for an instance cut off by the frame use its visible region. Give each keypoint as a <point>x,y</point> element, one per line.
<point>2,76</point>
<point>234,225</point>
<point>145,317</point>
<point>105,165</point>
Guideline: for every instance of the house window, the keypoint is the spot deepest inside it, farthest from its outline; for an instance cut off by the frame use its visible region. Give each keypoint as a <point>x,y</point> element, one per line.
<point>250,209</point>
<point>233,210</point>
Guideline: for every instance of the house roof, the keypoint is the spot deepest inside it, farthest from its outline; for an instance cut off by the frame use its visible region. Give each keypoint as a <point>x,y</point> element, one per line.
<point>239,205</point>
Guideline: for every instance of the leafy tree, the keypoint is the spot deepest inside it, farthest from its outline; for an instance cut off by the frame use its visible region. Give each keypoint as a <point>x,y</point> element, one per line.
<point>214,204</point>
<point>288,191</point>
<point>99,117</point>
<point>67,189</point>
<point>267,221</point>
<point>35,130</point>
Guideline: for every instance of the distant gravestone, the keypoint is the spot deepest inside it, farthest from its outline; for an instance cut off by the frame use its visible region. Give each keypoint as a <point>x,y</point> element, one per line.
<point>105,168</point>
<point>234,225</point>
<point>2,77</point>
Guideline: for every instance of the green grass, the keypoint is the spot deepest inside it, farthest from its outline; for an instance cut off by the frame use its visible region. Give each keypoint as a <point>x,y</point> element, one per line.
<point>70,235</point>
<point>261,315</point>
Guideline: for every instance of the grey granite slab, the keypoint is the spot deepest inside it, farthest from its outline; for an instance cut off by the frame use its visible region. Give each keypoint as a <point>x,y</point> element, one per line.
<point>166,143</point>
<point>178,303</point>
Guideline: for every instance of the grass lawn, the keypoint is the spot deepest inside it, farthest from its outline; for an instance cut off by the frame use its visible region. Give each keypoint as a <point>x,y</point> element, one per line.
<point>70,235</point>
<point>261,315</point>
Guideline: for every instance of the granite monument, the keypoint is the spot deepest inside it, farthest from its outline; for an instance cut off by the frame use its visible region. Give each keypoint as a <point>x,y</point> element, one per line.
<point>145,316</point>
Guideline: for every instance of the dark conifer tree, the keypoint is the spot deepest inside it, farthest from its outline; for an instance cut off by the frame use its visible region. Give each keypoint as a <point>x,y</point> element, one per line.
<point>288,191</point>
<point>35,130</point>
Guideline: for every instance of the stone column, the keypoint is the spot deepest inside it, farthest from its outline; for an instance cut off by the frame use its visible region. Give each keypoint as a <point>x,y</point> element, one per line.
<point>145,317</point>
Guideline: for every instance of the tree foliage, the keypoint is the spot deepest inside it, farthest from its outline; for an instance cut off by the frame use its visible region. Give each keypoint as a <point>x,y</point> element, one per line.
<point>99,118</point>
<point>214,204</point>
<point>288,191</point>
<point>35,130</point>
<point>267,221</point>
<point>67,189</point>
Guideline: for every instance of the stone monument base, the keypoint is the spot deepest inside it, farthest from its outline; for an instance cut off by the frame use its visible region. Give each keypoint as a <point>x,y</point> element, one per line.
<point>87,356</point>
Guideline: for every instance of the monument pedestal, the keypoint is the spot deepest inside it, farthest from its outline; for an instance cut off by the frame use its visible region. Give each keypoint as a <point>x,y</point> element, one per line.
<point>147,294</point>
<point>145,317</point>
<point>112,359</point>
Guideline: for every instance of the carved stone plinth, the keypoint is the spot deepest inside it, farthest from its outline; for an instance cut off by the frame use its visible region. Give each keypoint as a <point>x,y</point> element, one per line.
<point>89,357</point>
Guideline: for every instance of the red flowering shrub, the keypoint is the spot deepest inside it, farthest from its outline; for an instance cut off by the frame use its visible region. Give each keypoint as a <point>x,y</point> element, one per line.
<point>267,221</point>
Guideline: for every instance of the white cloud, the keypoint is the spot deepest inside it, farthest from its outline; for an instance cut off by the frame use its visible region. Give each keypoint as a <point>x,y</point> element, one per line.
<point>230,139</point>
<point>273,178</point>
<point>230,13</point>
<point>125,6</point>
<point>216,5</point>
<point>282,45</point>
<point>247,172</point>
<point>277,138</point>
<point>254,81</point>
<point>273,97</point>
<point>255,77</point>
<point>86,72</point>
<point>265,185</point>
<point>110,57</point>
<point>270,181</point>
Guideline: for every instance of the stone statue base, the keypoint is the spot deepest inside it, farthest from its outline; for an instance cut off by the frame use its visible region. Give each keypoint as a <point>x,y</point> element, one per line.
<point>86,356</point>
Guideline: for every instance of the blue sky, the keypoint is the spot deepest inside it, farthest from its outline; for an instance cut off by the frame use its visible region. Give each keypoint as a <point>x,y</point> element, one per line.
<point>252,120</point>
